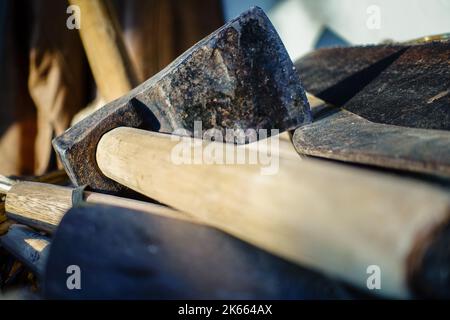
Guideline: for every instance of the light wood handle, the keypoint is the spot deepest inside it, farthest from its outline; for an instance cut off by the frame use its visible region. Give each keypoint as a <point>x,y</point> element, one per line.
<point>38,205</point>
<point>337,219</point>
<point>105,49</point>
<point>42,206</point>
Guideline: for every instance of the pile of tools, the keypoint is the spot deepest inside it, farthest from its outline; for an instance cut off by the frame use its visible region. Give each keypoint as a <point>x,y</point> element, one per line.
<point>361,180</point>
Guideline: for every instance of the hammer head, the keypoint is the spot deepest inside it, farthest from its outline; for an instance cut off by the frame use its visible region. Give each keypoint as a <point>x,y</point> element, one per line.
<point>239,77</point>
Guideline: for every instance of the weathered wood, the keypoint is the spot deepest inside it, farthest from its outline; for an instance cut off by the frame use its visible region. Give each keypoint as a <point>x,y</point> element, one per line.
<point>337,219</point>
<point>42,206</point>
<point>342,135</point>
<point>6,184</point>
<point>399,85</point>
<point>28,246</point>
<point>38,205</point>
<point>125,254</point>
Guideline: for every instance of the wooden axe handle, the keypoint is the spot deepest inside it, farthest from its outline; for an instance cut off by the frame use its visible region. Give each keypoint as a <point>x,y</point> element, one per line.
<point>42,206</point>
<point>337,219</point>
<point>105,48</point>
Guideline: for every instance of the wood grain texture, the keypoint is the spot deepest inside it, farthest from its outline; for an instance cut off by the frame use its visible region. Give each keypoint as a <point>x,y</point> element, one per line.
<point>105,48</point>
<point>42,206</point>
<point>337,219</point>
<point>38,205</point>
<point>342,135</point>
<point>28,246</point>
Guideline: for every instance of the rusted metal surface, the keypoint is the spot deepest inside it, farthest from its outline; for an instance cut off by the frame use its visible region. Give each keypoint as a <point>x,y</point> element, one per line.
<point>342,135</point>
<point>335,75</point>
<point>400,85</point>
<point>239,77</point>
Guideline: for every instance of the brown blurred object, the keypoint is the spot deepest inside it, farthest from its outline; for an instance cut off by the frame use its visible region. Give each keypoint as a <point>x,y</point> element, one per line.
<point>45,77</point>
<point>17,112</point>
<point>158,31</point>
<point>104,46</point>
<point>56,78</point>
<point>43,83</point>
<point>153,32</point>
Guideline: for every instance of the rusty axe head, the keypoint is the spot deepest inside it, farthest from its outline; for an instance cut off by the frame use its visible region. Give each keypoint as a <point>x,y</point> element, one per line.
<point>239,77</point>
<point>402,85</point>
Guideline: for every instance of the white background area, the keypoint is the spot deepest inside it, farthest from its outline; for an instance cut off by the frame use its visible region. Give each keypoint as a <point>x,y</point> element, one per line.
<point>301,22</point>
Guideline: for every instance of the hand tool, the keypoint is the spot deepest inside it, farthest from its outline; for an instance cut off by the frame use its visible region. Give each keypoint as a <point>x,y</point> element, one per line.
<point>385,84</point>
<point>57,177</point>
<point>127,254</point>
<point>42,205</point>
<point>341,135</point>
<point>239,77</point>
<point>336,219</point>
<point>399,84</point>
<point>290,214</point>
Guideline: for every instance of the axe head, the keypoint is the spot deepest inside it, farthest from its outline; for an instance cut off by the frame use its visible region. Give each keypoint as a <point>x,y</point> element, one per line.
<point>402,85</point>
<point>239,77</point>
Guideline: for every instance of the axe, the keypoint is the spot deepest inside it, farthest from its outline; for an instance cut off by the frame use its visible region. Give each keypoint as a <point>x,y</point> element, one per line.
<point>343,136</point>
<point>364,219</point>
<point>239,77</point>
<point>401,84</point>
<point>42,205</point>
<point>321,215</point>
<point>336,219</point>
<point>391,96</point>
<point>339,134</point>
<point>127,254</point>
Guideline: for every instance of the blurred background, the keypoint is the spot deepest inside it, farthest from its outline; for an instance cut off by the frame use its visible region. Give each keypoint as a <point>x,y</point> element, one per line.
<point>45,79</point>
